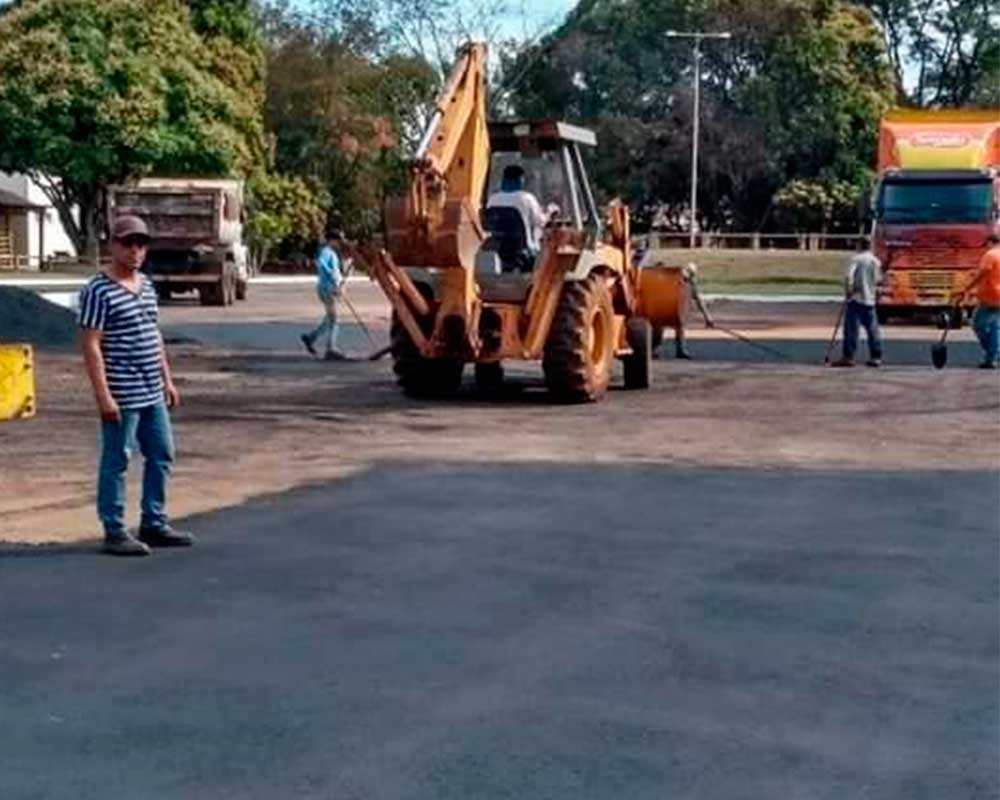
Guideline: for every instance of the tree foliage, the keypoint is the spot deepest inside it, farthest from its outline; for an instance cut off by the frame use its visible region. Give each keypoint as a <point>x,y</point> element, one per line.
<point>796,93</point>
<point>340,118</point>
<point>282,209</point>
<point>93,92</point>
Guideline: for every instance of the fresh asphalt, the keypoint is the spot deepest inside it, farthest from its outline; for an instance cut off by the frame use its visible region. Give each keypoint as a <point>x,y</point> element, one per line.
<point>522,631</point>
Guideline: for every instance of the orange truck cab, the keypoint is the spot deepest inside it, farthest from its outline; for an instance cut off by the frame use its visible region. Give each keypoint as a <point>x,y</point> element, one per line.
<point>935,202</point>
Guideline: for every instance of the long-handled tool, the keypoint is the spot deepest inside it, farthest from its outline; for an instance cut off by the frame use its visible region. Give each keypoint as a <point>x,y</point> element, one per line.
<point>833,336</point>
<point>748,341</point>
<point>378,352</point>
<point>939,350</point>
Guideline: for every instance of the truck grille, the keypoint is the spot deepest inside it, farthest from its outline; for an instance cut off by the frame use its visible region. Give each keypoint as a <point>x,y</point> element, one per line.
<point>934,280</point>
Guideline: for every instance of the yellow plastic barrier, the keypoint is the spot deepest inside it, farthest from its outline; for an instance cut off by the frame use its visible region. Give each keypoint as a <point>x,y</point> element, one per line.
<point>17,381</point>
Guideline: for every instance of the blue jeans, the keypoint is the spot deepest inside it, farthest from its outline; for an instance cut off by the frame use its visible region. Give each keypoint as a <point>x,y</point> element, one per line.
<point>986,324</point>
<point>856,316</point>
<point>328,327</point>
<point>150,428</point>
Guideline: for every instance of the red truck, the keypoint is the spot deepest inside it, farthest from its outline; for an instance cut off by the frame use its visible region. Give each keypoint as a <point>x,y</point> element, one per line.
<point>935,202</point>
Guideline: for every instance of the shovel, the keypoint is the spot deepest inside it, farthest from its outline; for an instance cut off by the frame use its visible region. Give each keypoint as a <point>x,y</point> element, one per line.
<point>939,350</point>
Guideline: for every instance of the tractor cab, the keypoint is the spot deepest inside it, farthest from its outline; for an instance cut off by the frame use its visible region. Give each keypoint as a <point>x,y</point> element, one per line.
<point>547,156</point>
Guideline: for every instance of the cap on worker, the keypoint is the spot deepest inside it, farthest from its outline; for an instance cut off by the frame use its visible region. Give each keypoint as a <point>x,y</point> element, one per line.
<point>129,225</point>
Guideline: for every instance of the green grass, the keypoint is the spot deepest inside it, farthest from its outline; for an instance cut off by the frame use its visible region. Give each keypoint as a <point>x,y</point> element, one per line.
<point>764,271</point>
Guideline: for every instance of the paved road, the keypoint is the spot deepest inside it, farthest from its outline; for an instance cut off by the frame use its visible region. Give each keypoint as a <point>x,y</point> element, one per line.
<point>531,631</point>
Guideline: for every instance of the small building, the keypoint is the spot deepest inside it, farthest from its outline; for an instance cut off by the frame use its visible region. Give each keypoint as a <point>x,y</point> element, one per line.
<point>30,228</point>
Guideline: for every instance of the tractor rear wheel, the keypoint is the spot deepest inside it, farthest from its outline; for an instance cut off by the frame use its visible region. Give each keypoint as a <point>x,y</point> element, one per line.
<point>580,348</point>
<point>638,365</point>
<point>419,376</point>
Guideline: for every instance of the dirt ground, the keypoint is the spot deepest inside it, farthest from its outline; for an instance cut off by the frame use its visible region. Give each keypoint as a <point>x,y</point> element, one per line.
<point>260,417</point>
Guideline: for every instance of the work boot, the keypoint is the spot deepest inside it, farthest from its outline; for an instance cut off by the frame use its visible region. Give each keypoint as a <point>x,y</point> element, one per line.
<point>165,537</point>
<point>843,362</point>
<point>873,362</point>
<point>124,545</point>
<point>682,353</point>
<point>308,343</point>
<point>988,364</point>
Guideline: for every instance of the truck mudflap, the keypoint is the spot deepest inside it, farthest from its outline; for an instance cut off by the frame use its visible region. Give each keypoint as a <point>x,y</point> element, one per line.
<point>17,381</point>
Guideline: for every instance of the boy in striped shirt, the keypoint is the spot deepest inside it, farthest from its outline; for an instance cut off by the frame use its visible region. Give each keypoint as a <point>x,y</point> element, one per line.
<point>127,365</point>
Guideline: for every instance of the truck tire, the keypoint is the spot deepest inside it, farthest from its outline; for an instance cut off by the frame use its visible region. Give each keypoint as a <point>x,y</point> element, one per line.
<point>579,349</point>
<point>419,376</point>
<point>638,365</point>
<point>213,295</point>
<point>163,292</point>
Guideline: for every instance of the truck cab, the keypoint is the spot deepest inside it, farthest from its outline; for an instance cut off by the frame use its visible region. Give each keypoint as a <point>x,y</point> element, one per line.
<point>935,203</point>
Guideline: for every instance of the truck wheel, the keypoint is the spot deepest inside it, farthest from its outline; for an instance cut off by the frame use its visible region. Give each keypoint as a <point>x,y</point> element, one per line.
<point>579,350</point>
<point>163,292</point>
<point>214,295</point>
<point>489,377</point>
<point>419,376</point>
<point>882,315</point>
<point>639,364</point>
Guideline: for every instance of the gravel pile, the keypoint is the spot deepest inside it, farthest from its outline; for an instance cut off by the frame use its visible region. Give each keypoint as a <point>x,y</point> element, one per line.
<point>27,317</point>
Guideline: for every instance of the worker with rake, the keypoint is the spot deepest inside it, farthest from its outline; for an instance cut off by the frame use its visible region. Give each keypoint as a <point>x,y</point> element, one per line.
<point>329,279</point>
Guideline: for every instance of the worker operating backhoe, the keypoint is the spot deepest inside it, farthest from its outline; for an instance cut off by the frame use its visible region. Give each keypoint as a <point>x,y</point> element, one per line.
<point>470,281</point>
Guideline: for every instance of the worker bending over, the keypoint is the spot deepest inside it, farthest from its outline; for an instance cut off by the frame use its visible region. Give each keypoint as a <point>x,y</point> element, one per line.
<point>689,276</point>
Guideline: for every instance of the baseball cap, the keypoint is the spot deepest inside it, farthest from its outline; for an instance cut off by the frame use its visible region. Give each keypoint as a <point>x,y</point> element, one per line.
<point>129,225</point>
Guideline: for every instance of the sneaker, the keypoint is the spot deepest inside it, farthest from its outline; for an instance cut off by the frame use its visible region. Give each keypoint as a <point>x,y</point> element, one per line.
<point>843,362</point>
<point>683,354</point>
<point>165,537</point>
<point>124,545</point>
<point>987,364</point>
<point>307,343</point>
<point>873,362</point>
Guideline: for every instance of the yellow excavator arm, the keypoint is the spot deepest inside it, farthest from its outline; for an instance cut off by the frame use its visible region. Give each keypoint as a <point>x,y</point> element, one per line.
<point>436,223</point>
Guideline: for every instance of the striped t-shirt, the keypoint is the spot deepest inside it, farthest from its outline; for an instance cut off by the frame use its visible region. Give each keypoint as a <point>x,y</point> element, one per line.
<point>130,340</point>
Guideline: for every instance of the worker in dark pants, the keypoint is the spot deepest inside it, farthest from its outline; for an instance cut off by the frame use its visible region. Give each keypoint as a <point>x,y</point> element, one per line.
<point>864,273</point>
<point>689,275</point>
<point>986,321</point>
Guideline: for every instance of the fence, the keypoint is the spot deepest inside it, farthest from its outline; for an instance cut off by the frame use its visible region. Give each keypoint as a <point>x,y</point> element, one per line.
<point>752,241</point>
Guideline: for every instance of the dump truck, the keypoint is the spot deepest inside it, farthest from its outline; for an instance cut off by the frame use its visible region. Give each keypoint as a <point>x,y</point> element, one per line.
<point>935,202</point>
<point>196,230</point>
<point>465,289</point>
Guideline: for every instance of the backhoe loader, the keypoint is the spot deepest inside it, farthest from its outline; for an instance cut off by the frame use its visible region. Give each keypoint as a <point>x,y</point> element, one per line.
<point>465,289</point>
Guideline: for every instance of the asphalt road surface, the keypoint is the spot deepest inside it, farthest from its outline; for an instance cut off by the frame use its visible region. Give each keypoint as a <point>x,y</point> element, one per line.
<point>525,631</point>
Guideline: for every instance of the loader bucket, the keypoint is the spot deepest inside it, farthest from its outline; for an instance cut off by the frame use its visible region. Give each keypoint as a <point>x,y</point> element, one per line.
<point>663,296</point>
<point>17,382</point>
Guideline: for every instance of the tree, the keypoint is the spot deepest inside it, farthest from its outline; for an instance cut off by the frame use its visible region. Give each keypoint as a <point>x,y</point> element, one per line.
<point>338,116</point>
<point>796,93</point>
<point>944,53</point>
<point>93,92</point>
<point>281,209</point>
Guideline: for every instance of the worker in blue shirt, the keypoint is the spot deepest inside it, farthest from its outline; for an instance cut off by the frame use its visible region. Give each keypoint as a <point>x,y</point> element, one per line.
<point>329,277</point>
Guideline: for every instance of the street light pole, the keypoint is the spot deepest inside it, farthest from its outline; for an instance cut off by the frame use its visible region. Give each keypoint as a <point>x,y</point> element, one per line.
<point>697,37</point>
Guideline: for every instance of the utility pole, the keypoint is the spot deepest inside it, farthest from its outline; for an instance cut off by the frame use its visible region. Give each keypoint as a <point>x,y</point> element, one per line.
<point>696,37</point>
